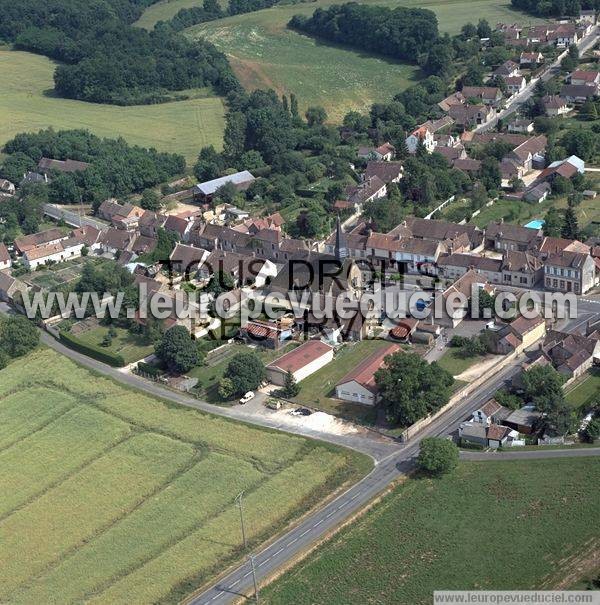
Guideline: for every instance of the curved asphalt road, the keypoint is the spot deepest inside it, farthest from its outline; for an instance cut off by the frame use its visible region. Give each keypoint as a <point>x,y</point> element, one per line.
<point>392,460</point>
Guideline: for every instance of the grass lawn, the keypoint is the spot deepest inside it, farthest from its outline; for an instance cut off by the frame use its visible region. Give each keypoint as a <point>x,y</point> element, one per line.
<point>132,347</point>
<point>318,389</point>
<point>495,525</point>
<point>265,54</point>
<point>584,393</point>
<point>209,375</point>
<point>167,9</point>
<point>110,496</point>
<point>26,105</point>
<point>452,361</point>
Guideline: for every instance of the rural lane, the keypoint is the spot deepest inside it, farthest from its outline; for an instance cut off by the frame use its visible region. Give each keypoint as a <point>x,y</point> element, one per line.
<point>392,461</point>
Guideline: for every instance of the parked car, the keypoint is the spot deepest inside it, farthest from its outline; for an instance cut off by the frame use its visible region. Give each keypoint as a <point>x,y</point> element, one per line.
<point>301,412</point>
<point>247,397</point>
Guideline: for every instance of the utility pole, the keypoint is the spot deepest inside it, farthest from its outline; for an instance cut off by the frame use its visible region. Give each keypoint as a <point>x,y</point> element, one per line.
<point>251,557</point>
<point>238,501</point>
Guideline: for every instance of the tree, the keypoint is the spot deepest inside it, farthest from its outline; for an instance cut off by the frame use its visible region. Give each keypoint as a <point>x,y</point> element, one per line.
<point>225,193</point>
<point>315,116</point>
<point>570,228</point>
<point>291,388</point>
<point>543,388</point>
<point>177,350</point>
<point>490,174</point>
<point>516,184</point>
<point>246,371</point>
<point>150,200</point>
<point>484,29</point>
<point>508,400</point>
<point>293,105</point>
<point>18,335</point>
<point>553,223</point>
<point>4,360</point>
<point>411,388</point>
<point>592,430</point>
<point>234,138</point>
<point>561,185</point>
<point>468,31</point>
<point>220,281</point>
<point>226,388</point>
<point>437,456</point>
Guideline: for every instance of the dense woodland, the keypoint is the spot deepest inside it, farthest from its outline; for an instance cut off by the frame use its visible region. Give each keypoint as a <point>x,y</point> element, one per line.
<point>116,168</point>
<point>402,33</point>
<point>107,60</point>
<point>555,8</point>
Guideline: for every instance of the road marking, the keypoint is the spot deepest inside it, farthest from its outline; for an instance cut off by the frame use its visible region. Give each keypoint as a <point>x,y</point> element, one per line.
<point>304,533</point>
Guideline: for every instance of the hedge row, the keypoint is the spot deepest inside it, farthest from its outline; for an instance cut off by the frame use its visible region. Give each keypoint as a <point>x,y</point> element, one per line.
<point>112,359</point>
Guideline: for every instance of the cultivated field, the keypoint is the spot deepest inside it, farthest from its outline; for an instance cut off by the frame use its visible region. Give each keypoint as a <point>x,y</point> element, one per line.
<point>490,525</point>
<point>108,496</point>
<point>264,53</point>
<point>26,105</point>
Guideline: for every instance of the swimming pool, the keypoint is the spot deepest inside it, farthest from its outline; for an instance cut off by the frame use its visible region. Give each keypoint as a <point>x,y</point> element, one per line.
<point>538,223</point>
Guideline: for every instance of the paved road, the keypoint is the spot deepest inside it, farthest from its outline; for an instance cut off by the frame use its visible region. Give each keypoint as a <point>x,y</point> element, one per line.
<point>566,452</point>
<point>72,218</point>
<point>321,522</point>
<point>553,70</point>
<point>372,444</point>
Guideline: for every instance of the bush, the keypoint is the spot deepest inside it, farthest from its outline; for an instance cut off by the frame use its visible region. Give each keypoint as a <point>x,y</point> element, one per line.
<point>149,369</point>
<point>437,456</point>
<point>112,359</point>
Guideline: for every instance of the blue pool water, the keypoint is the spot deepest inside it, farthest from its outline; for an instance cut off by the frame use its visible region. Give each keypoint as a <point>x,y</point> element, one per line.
<point>536,224</point>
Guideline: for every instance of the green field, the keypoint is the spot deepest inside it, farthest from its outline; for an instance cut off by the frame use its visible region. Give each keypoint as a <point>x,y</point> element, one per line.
<point>165,10</point>
<point>26,105</point>
<point>455,363</point>
<point>489,525</point>
<point>265,54</point>
<point>109,496</point>
<point>586,392</point>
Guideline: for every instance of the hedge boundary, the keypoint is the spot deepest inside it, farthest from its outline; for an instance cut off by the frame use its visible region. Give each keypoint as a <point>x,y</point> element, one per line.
<point>112,359</point>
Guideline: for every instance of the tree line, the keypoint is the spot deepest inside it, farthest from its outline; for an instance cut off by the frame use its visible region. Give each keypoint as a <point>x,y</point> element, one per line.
<point>116,168</point>
<point>104,58</point>
<point>556,8</point>
<point>402,33</point>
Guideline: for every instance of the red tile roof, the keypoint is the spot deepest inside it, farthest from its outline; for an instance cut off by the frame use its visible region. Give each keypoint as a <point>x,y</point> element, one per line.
<point>301,356</point>
<point>364,372</point>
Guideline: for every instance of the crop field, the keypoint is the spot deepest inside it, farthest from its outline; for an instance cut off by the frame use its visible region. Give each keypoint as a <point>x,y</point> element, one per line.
<point>108,496</point>
<point>489,525</point>
<point>26,105</point>
<point>265,54</point>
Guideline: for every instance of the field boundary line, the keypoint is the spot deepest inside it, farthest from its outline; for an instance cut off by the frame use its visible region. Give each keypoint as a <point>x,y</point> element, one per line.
<point>70,474</point>
<point>104,528</point>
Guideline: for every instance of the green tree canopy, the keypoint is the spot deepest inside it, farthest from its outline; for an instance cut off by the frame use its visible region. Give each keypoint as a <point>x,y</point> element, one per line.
<point>177,350</point>
<point>18,335</point>
<point>246,371</point>
<point>437,456</point>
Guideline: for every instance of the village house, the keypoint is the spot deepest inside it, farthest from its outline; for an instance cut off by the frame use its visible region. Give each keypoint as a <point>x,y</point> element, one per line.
<point>521,269</point>
<point>301,362</point>
<point>502,236</point>
<point>420,136</point>
<point>48,236</point>
<point>468,116</point>
<point>488,95</point>
<point>58,252</point>
<point>441,231</point>
<point>564,35</point>
<point>578,94</point>
<point>124,217</point>
<point>521,125</point>
<point>454,266</point>
<point>383,153</point>
<point>523,420</point>
<point>531,59</point>
<point>9,286</point>
<point>181,226</point>
<point>571,354</point>
<point>586,78</point>
<point>556,245</point>
<point>358,386</point>
<point>5,259</point>
<point>538,194</point>
<point>453,302</point>
<point>187,259</point>
<point>240,180</point>
<point>387,172</point>
<point>491,412</point>
<point>468,166</point>
<point>518,335</point>
<point>47,165</point>
<point>515,84</point>
<point>456,98</point>
<point>268,334</point>
<point>370,189</point>
<point>114,241</point>
<point>150,222</point>
<point>566,168</point>
<point>570,272</point>
<point>492,435</point>
<point>555,106</point>
<point>508,69</point>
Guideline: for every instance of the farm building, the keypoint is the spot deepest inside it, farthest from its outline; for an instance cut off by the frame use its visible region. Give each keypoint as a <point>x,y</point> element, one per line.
<point>301,362</point>
<point>241,181</point>
<point>358,386</point>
